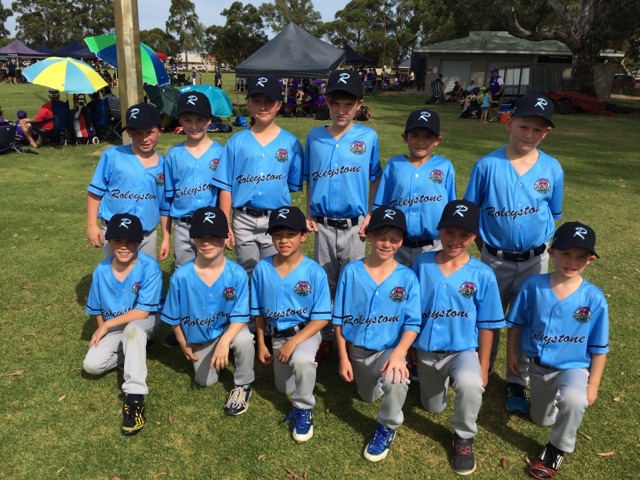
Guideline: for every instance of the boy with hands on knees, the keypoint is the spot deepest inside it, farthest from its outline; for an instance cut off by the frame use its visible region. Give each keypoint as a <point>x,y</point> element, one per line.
<point>560,322</point>
<point>290,298</point>
<point>125,293</point>
<point>376,316</point>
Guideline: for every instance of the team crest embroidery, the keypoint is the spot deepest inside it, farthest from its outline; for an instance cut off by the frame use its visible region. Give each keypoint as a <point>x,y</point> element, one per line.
<point>136,287</point>
<point>398,294</point>
<point>302,288</point>
<point>282,155</point>
<point>358,147</point>
<point>229,294</point>
<point>542,186</point>
<point>467,289</point>
<point>436,176</point>
<point>582,314</point>
<point>213,165</point>
<point>160,179</point>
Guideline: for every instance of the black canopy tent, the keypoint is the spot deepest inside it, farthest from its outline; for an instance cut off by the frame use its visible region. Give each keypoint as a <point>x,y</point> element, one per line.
<point>354,58</point>
<point>293,53</point>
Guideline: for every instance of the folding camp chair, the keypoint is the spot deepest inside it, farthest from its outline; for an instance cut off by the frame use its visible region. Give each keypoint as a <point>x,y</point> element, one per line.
<point>106,120</point>
<point>62,127</point>
<point>8,139</point>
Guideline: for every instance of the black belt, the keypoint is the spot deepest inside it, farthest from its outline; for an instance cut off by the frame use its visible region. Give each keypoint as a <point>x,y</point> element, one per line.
<point>185,219</point>
<point>536,360</point>
<point>417,243</point>
<point>443,352</point>
<point>363,348</point>
<point>516,256</point>
<point>255,212</point>
<point>289,332</point>
<point>339,223</point>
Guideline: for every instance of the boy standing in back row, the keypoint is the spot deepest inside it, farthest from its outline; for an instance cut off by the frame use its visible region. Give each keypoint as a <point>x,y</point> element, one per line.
<point>519,191</point>
<point>342,170</point>
<point>420,184</point>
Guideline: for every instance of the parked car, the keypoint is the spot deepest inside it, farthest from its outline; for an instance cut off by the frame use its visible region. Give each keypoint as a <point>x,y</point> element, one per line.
<point>623,81</point>
<point>202,68</point>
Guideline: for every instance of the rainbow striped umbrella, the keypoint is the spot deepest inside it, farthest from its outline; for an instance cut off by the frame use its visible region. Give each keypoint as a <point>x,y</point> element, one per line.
<point>65,74</point>
<point>153,70</point>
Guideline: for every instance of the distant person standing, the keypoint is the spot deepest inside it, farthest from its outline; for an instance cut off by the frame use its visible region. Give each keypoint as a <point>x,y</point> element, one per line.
<point>194,75</point>
<point>11,67</point>
<point>218,78</point>
<point>496,88</point>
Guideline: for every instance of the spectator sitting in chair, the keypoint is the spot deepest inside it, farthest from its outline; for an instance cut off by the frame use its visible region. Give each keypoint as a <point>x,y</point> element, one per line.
<point>454,94</point>
<point>43,122</point>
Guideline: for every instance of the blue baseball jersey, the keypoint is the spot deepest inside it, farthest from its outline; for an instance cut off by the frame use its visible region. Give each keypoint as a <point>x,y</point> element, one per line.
<point>420,192</point>
<point>126,186</point>
<point>339,171</point>
<point>563,334</point>
<point>205,311</point>
<point>260,176</point>
<point>375,316</point>
<point>301,296</point>
<point>455,307</point>
<point>189,180</point>
<point>516,212</point>
<point>142,289</point>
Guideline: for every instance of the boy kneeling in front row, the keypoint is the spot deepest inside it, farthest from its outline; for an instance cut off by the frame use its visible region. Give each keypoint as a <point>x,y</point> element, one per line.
<point>290,297</point>
<point>376,315</point>
<point>208,307</point>
<point>460,310</point>
<point>560,322</point>
<point>125,294</point>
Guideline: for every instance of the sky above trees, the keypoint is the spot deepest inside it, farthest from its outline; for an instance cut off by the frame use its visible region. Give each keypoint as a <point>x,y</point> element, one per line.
<point>154,13</point>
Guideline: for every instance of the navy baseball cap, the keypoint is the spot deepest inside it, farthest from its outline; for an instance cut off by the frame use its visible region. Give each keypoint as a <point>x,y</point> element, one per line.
<point>387,217</point>
<point>142,116</point>
<point>460,213</point>
<point>493,69</point>
<point>267,85</point>
<point>347,81</point>
<point>575,235</point>
<point>124,225</point>
<point>533,105</point>
<point>423,119</point>
<point>194,102</point>
<point>287,217</point>
<point>209,221</point>
<point>21,114</point>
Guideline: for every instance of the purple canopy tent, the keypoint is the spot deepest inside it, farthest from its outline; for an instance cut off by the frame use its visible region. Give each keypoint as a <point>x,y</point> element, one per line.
<point>18,49</point>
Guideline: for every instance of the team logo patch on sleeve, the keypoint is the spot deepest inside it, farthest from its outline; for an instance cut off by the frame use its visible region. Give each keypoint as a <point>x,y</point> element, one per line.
<point>136,287</point>
<point>302,288</point>
<point>582,314</point>
<point>467,289</point>
<point>160,179</point>
<point>282,155</point>
<point>436,176</point>
<point>229,294</point>
<point>213,165</point>
<point>358,147</point>
<point>398,294</point>
<point>542,185</point>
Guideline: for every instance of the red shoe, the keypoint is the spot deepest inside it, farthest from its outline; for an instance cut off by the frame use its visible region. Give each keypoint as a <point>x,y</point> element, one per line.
<point>324,350</point>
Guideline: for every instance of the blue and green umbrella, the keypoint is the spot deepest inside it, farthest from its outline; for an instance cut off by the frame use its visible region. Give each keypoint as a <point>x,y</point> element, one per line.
<point>153,70</point>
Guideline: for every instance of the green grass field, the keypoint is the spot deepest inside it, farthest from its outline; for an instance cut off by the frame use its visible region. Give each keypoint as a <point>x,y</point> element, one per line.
<point>59,423</point>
